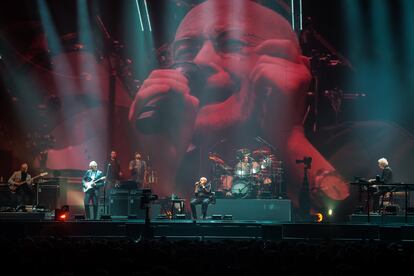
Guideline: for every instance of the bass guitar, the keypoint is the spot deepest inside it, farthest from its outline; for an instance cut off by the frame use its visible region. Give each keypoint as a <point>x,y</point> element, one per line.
<point>91,184</point>
<point>13,187</point>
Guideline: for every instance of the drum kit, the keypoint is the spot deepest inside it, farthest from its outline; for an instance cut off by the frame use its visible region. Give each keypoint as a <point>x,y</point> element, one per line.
<point>256,174</point>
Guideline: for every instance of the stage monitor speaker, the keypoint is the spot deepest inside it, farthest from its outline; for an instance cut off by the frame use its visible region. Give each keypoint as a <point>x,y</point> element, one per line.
<point>135,209</point>
<point>47,196</point>
<point>118,205</point>
<point>5,196</point>
<point>134,206</point>
<point>5,165</point>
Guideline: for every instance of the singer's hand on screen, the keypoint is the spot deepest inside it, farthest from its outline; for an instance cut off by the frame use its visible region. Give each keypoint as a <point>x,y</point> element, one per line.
<point>279,78</point>
<point>160,84</point>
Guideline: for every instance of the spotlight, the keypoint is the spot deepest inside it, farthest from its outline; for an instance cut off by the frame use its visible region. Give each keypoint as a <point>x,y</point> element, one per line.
<point>180,216</point>
<point>330,212</point>
<point>216,217</point>
<point>62,214</point>
<point>318,217</point>
<point>228,217</point>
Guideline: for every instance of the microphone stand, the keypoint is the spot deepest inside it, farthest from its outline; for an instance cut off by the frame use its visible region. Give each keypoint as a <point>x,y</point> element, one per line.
<point>304,199</point>
<point>104,188</point>
<point>280,180</point>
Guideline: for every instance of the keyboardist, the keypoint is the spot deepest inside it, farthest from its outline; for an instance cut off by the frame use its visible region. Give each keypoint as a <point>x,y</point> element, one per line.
<point>385,178</point>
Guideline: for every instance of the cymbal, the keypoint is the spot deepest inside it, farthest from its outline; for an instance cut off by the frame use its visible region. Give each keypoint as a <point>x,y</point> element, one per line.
<point>261,152</point>
<point>243,152</point>
<point>226,167</point>
<point>216,158</point>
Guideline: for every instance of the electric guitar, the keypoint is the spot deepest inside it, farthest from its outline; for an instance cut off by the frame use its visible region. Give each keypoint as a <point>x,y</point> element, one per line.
<point>13,187</point>
<point>91,184</point>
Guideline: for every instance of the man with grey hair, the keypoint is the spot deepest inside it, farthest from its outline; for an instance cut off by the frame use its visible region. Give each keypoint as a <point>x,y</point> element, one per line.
<point>203,196</point>
<point>385,178</point>
<point>91,181</point>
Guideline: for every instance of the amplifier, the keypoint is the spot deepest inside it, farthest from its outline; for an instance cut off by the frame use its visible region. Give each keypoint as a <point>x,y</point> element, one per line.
<point>5,197</point>
<point>118,204</point>
<point>119,192</point>
<point>128,185</point>
<point>134,206</point>
<point>128,203</point>
<point>47,196</point>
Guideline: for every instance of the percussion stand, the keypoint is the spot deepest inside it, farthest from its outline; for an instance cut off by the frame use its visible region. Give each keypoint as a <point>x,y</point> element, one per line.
<point>273,150</point>
<point>216,179</point>
<point>304,199</point>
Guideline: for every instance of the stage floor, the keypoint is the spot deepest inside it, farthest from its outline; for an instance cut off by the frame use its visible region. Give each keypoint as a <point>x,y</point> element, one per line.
<point>34,225</point>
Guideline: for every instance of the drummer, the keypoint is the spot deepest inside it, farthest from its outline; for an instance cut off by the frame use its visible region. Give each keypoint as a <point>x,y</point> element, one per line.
<point>243,168</point>
<point>247,166</point>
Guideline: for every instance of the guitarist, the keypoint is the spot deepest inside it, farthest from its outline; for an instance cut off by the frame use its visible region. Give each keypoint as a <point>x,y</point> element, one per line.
<point>22,181</point>
<point>92,194</point>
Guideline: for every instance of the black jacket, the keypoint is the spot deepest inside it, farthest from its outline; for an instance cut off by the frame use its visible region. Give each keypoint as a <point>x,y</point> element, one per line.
<point>386,175</point>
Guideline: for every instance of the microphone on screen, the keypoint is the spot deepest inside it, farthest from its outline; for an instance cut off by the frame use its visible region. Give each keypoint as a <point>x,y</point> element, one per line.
<point>157,117</point>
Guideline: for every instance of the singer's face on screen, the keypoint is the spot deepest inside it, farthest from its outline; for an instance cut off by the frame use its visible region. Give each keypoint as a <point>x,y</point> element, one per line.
<point>222,37</point>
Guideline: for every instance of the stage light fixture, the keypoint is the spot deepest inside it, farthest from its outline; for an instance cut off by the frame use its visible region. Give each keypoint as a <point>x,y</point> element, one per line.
<point>228,217</point>
<point>62,214</point>
<point>318,217</point>
<point>139,15</point>
<point>216,217</point>
<point>180,216</point>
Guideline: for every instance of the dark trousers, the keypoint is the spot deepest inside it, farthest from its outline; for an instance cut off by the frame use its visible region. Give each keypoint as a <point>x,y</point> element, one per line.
<point>24,196</point>
<point>91,199</point>
<point>378,199</point>
<point>204,201</point>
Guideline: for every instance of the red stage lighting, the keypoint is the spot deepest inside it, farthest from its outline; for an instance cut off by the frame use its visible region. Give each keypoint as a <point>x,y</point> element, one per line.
<point>62,214</point>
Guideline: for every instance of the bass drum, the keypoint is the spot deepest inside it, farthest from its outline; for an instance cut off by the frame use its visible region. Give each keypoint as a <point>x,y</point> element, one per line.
<point>240,189</point>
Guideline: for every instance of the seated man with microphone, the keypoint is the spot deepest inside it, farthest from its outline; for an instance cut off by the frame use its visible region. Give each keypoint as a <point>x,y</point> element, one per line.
<point>203,196</point>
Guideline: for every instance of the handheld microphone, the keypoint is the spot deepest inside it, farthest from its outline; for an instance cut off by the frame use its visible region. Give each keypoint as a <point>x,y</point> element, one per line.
<point>152,118</point>
<point>190,70</point>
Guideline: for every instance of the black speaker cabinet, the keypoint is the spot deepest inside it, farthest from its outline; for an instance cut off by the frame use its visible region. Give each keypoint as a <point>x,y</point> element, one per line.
<point>47,196</point>
<point>118,205</point>
<point>134,206</point>
<point>5,196</point>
